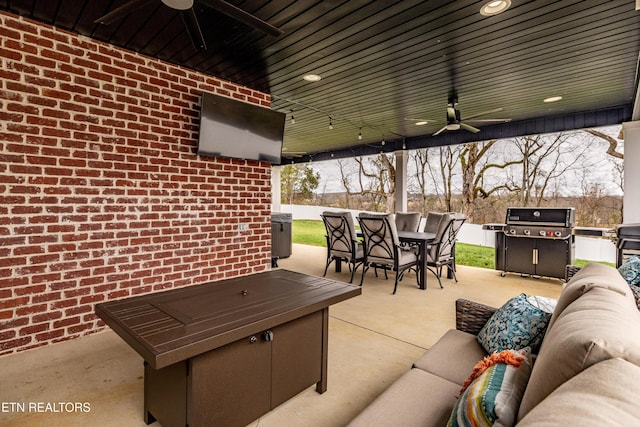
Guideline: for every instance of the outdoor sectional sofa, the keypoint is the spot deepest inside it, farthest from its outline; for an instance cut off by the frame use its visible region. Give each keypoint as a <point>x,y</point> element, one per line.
<point>586,372</point>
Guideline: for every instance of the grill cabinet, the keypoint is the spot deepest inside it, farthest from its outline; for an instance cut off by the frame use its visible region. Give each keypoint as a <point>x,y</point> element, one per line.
<point>627,240</point>
<point>536,242</point>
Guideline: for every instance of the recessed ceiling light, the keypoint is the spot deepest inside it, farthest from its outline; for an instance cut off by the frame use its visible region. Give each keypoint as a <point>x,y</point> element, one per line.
<point>312,77</point>
<point>495,7</point>
<point>552,99</point>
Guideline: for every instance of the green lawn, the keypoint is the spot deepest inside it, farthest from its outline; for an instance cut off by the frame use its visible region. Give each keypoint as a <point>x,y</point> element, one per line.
<point>312,232</point>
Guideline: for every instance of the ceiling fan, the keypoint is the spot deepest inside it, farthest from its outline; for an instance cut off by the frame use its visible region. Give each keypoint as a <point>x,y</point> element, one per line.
<point>190,19</point>
<point>454,122</point>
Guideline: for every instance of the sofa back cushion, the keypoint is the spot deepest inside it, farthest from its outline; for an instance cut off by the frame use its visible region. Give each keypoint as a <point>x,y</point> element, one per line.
<point>598,396</point>
<point>593,275</point>
<point>601,324</point>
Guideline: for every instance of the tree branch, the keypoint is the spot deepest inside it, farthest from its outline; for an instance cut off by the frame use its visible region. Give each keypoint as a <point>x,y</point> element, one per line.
<point>613,143</point>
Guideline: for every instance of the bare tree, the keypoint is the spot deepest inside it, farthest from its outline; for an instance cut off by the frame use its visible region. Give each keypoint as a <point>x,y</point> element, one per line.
<point>436,171</point>
<point>616,156</point>
<point>421,160</point>
<point>475,166</point>
<point>449,158</point>
<point>373,181</point>
<point>544,160</point>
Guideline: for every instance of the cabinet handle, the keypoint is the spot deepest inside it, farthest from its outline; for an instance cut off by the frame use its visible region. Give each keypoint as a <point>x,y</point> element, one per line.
<point>268,336</point>
<point>535,256</point>
<point>253,339</point>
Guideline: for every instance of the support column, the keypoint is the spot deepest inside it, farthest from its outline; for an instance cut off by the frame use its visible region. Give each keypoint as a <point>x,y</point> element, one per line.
<point>401,180</point>
<point>276,201</point>
<point>631,197</point>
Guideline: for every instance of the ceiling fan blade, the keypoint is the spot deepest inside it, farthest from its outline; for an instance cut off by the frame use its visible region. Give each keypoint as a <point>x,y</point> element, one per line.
<point>488,120</point>
<point>242,16</point>
<point>440,131</point>
<point>123,11</point>
<point>469,128</point>
<point>483,113</point>
<point>420,122</point>
<point>193,28</point>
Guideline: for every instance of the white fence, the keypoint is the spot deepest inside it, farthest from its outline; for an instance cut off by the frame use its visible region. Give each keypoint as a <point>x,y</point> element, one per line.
<point>587,248</point>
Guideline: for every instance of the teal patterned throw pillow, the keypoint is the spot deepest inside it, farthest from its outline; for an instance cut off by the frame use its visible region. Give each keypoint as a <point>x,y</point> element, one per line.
<point>630,270</point>
<point>514,326</point>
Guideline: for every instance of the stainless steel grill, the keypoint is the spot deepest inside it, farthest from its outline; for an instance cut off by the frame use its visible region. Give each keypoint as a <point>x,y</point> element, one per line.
<point>627,241</point>
<point>537,242</point>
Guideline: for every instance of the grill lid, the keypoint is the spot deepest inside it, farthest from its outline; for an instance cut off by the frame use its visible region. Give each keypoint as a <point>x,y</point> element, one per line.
<point>554,217</point>
<point>628,231</point>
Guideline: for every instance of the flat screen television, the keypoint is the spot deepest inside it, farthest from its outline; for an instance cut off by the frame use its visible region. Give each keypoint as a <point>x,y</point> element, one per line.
<point>239,130</point>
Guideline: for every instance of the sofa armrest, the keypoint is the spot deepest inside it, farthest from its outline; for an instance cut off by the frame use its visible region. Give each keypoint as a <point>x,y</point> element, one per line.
<point>471,316</point>
<point>571,270</point>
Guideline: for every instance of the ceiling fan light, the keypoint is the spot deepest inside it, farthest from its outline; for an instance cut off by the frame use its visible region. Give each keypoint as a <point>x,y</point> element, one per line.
<point>494,7</point>
<point>179,4</point>
<point>453,126</point>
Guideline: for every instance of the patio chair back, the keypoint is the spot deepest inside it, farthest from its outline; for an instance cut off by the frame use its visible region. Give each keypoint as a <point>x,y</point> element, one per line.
<point>342,244</point>
<point>382,246</point>
<point>443,250</point>
<point>450,236</point>
<point>380,238</point>
<point>408,221</point>
<point>432,222</point>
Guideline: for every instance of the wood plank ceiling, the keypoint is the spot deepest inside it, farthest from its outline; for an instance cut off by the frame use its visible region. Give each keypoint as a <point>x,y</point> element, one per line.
<point>387,64</point>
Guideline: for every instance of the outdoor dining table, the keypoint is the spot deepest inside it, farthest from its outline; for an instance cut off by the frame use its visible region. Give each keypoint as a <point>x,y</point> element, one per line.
<point>422,239</point>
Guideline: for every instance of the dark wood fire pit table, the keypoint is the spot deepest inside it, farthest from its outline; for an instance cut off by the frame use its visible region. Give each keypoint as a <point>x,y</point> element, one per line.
<point>225,353</point>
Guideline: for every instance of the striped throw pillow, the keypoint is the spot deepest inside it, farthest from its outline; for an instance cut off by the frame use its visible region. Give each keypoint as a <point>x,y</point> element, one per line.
<point>493,392</point>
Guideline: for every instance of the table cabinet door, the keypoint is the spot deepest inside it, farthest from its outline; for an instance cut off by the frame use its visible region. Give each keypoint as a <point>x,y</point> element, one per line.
<point>296,357</point>
<point>231,385</point>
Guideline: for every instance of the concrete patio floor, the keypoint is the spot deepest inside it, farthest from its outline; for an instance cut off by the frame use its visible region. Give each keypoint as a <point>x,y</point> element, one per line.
<point>373,339</point>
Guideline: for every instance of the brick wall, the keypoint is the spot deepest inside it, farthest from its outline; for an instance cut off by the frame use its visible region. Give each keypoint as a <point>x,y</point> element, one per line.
<point>101,194</point>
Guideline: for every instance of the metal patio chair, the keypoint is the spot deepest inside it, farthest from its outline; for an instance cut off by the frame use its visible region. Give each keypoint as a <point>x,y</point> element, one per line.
<point>342,243</point>
<point>382,248</point>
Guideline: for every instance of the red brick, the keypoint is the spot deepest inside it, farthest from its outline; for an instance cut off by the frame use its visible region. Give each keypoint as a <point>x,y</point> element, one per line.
<point>47,336</point>
<point>31,309</point>
<point>34,329</point>
<point>16,343</point>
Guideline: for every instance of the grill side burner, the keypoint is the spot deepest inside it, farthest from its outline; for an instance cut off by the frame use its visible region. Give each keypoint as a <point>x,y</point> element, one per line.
<point>537,241</point>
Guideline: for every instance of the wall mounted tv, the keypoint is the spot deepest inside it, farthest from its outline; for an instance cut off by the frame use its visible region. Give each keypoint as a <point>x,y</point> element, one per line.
<point>236,129</point>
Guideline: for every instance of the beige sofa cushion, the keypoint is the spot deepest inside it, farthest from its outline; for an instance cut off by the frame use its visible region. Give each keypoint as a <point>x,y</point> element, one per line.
<point>599,396</point>
<point>453,356</point>
<point>417,398</point>
<point>593,275</point>
<point>601,324</point>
